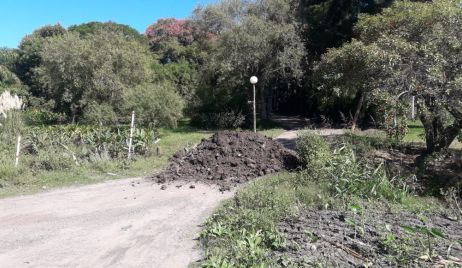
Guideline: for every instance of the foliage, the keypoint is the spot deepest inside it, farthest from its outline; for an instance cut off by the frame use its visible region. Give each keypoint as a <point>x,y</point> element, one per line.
<point>154,104</point>
<point>183,74</point>
<point>8,78</point>
<point>41,117</point>
<point>329,23</point>
<point>425,40</point>
<point>390,113</point>
<point>219,120</point>
<point>253,38</point>
<point>8,57</point>
<point>94,70</point>
<point>313,151</point>
<point>56,148</point>
<point>349,176</point>
<point>29,53</point>
<point>343,75</point>
<point>94,27</point>
<point>171,29</point>
<point>247,224</point>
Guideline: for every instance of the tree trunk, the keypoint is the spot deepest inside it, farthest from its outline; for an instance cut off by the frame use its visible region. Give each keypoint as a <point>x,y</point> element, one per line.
<point>437,136</point>
<point>358,111</point>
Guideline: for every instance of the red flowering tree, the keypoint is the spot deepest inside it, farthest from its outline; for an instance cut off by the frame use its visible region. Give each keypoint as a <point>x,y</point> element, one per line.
<point>171,29</point>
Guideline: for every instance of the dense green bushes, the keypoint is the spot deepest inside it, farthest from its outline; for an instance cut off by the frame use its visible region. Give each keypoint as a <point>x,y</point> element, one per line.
<point>313,151</point>
<point>92,74</point>
<point>345,173</point>
<point>154,104</point>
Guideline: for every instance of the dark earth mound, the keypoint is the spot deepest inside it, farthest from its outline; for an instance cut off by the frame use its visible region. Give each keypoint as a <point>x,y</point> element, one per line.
<point>329,238</point>
<point>227,159</point>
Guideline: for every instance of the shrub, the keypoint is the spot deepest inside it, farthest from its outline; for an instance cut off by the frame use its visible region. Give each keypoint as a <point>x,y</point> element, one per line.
<point>347,176</point>
<point>154,104</point>
<point>40,117</point>
<point>99,114</point>
<point>220,120</point>
<point>313,151</point>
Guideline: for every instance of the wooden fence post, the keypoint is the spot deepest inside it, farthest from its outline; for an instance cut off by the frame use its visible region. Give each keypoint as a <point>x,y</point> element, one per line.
<point>18,148</point>
<point>131,135</point>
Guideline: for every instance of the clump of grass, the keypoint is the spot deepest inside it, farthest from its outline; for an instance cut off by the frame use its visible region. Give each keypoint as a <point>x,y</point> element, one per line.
<point>313,151</point>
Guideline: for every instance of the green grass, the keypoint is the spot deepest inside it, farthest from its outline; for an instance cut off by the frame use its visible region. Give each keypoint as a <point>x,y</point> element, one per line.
<point>417,134</point>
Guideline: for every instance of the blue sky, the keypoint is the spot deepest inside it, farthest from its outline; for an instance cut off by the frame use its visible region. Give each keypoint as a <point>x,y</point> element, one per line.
<point>21,17</point>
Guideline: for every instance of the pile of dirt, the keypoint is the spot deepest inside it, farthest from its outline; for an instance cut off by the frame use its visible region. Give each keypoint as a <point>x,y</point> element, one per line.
<point>371,238</point>
<point>227,159</point>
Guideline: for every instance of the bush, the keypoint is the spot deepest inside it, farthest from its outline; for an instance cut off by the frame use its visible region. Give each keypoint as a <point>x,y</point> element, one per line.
<point>154,104</point>
<point>40,117</point>
<point>347,176</point>
<point>99,114</point>
<point>219,120</point>
<point>313,151</point>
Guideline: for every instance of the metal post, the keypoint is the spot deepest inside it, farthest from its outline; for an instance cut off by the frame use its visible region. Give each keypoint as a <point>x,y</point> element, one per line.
<point>254,112</point>
<point>131,135</point>
<point>18,148</point>
<point>413,107</point>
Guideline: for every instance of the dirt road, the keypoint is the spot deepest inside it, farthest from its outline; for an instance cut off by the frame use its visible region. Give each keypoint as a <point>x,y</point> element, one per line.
<point>125,223</point>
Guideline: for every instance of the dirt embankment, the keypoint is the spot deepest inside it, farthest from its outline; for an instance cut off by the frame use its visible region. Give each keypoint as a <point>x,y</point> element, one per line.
<point>373,237</point>
<point>227,159</point>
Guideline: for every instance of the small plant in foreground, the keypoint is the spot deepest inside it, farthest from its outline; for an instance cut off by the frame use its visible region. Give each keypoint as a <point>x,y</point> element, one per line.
<point>313,151</point>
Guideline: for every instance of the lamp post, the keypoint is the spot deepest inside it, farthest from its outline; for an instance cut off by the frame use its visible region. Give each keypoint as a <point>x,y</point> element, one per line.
<point>253,81</point>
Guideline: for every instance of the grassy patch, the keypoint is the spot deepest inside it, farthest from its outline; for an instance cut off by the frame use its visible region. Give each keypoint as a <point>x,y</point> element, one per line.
<point>417,134</point>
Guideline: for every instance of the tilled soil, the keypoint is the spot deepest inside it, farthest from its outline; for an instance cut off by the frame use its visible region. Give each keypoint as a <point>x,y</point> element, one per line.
<point>329,238</point>
<point>227,159</point>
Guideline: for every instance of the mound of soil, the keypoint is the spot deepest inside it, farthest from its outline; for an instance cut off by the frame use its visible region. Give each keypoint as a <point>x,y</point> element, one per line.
<point>344,239</point>
<point>227,159</point>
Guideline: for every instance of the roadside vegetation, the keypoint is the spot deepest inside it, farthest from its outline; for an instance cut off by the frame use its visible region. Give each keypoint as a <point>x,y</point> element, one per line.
<point>63,155</point>
<point>358,195</point>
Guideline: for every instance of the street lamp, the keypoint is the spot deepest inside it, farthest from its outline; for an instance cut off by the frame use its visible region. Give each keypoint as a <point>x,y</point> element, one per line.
<point>253,81</point>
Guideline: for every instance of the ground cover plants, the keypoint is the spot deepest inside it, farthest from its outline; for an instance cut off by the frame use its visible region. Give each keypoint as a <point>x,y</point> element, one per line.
<point>74,154</point>
<point>342,209</point>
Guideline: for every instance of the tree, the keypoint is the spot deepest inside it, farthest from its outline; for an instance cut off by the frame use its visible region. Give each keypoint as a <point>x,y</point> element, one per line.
<point>181,47</point>
<point>93,27</point>
<point>155,104</point>
<point>345,73</point>
<point>29,53</point>
<point>252,38</point>
<point>168,30</point>
<point>8,57</point>
<point>427,41</point>
<point>97,69</point>
<point>329,23</point>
